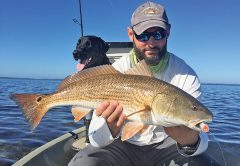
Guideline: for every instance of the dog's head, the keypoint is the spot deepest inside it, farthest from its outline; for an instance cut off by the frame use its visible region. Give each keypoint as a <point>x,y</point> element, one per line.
<point>91,51</point>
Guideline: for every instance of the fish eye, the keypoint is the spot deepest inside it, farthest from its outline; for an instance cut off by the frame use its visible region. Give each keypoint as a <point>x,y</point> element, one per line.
<point>194,108</point>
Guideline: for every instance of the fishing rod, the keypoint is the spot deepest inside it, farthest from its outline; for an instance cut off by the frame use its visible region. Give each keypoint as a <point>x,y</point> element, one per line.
<point>88,118</point>
<point>80,9</point>
<point>81,19</point>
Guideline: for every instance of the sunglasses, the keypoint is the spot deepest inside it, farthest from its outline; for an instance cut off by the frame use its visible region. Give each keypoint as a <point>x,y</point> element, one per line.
<point>157,35</point>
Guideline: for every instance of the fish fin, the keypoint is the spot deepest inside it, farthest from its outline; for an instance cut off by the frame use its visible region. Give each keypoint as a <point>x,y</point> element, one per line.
<point>32,107</point>
<point>145,127</point>
<point>146,108</point>
<point>87,73</point>
<point>78,113</point>
<point>130,129</point>
<point>141,68</point>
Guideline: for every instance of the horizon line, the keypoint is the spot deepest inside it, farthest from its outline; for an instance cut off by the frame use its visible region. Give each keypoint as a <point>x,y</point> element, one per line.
<point>209,83</point>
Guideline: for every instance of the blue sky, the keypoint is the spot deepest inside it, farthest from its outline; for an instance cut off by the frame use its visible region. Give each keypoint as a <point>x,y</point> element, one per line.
<point>37,37</point>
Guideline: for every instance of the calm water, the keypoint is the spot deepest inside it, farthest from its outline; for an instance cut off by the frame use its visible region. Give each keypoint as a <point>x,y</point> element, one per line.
<point>16,138</point>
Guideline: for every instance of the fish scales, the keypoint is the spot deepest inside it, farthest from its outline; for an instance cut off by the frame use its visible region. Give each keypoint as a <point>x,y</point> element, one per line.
<point>144,99</point>
<point>124,88</point>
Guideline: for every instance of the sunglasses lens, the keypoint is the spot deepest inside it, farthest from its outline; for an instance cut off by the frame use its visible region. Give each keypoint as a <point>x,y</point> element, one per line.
<point>158,35</point>
<point>142,37</point>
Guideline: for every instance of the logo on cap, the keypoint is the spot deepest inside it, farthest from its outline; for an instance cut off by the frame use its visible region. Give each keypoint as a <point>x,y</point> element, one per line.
<point>151,11</point>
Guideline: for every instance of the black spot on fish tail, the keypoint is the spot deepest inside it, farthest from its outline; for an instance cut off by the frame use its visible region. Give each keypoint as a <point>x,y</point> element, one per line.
<point>31,106</point>
<point>39,99</point>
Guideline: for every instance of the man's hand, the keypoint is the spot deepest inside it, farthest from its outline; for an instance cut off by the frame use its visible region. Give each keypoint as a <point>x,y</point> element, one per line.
<point>113,113</point>
<point>182,134</point>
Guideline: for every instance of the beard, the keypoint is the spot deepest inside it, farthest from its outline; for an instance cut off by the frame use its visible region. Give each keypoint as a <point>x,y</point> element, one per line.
<point>154,59</point>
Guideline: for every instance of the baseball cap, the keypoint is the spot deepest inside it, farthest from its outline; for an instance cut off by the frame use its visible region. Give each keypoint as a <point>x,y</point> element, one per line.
<point>149,15</point>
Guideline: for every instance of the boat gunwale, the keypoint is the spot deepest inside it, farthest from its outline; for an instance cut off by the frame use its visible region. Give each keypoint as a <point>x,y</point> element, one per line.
<point>49,144</point>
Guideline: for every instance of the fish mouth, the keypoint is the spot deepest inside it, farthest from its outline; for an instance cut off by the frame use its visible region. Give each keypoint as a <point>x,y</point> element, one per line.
<point>199,124</point>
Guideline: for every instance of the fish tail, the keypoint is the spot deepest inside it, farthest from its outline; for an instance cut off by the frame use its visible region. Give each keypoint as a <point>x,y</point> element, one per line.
<point>32,107</point>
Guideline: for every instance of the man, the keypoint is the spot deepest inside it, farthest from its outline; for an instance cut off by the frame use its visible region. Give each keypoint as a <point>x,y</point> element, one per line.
<point>155,145</point>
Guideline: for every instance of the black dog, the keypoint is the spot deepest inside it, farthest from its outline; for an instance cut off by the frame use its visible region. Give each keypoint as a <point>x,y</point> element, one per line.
<point>91,52</point>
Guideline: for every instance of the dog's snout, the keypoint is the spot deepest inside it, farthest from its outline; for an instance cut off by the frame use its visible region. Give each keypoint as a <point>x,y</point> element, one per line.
<point>76,55</point>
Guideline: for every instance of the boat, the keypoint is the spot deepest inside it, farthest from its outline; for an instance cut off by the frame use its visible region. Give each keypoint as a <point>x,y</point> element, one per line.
<point>56,152</point>
<point>61,150</point>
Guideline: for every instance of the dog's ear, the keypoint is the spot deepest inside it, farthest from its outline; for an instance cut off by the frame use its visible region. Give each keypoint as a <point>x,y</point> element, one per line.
<point>106,47</point>
<point>103,45</point>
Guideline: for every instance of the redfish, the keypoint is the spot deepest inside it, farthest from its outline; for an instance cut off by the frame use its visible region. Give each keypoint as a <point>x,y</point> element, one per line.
<point>145,99</point>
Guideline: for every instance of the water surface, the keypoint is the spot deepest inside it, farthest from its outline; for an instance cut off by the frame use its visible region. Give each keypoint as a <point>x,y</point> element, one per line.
<point>16,138</point>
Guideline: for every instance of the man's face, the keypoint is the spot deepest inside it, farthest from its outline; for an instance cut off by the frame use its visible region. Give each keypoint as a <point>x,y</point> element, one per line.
<point>151,50</point>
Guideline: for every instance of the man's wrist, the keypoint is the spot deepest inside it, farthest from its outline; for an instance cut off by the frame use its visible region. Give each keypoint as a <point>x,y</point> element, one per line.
<point>189,149</point>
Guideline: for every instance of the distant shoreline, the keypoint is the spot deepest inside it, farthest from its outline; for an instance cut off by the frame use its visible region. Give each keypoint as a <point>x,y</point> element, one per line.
<point>30,78</point>
<point>62,79</point>
<point>221,84</point>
